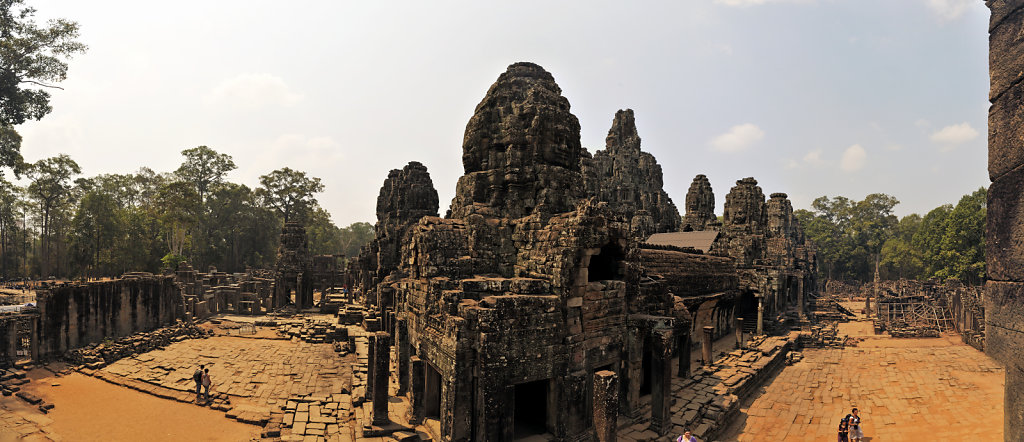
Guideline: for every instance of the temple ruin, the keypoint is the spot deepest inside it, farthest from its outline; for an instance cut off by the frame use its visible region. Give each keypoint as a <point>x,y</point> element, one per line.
<point>554,278</point>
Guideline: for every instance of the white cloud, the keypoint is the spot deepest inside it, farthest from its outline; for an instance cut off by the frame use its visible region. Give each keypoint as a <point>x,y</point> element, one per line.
<point>853,158</point>
<point>745,3</point>
<point>253,91</point>
<point>955,134</point>
<point>739,137</point>
<point>949,10</point>
<point>814,158</point>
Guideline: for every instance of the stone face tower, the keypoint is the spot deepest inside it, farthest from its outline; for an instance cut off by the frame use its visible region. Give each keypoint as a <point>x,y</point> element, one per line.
<point>700,205</point>
<point>521,151</point>
<point>630,181</point>
<point>293,262</point>
<point>407,195</point>
<point>1004,248</point>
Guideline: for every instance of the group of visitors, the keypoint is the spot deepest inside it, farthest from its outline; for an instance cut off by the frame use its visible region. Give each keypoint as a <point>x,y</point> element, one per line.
<point>849,428</point>
<point>202,380</point>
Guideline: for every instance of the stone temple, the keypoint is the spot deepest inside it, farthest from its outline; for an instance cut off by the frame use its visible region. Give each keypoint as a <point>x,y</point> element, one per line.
<point>556,292</point>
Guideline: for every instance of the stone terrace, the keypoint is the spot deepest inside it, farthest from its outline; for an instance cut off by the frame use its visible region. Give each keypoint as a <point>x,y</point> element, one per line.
<point>261,377</point>
<point>906,389</point>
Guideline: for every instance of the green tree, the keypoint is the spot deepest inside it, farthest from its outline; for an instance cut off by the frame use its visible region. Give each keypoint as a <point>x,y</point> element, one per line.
<point>96,225</point>
<point>290,193</point>
<point>32,59</point>
<point>355,236</point>
<point>204,168</point>
<point>962,247</point>
<point>51,188</point>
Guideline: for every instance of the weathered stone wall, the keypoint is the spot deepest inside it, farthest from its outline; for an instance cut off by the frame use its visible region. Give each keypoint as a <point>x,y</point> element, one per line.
<point>77,315</point>
<point>1004,238</point>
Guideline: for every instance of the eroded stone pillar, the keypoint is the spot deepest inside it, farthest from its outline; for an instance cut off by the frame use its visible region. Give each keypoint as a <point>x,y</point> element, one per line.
<point>739,332</point>
<point>381,367</point>
<point>371,344</point>
<point>684,352</point>
<point>800,298</point>
<point>606,405</point>
<point>707,346</point>
<point>760,315</point>
<point>661,380</point>
<point>417,378</point>
<point>403,355</point>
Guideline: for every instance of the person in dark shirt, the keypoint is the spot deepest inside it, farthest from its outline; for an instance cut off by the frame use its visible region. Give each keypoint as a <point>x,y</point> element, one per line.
<point>844,430</point>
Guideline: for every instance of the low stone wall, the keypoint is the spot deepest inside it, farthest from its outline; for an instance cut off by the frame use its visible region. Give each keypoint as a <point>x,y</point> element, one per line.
<point>77,315</point>
<point>97,356</point>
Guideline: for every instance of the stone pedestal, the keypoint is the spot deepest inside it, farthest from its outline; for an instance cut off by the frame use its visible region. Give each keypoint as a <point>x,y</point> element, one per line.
<point>661,380</point>
<point>684,353</point>
<point>707,346</point>
<point>381,369</point>
<point>739,332</point>
<point>417,384</point>
<point>606,405</point>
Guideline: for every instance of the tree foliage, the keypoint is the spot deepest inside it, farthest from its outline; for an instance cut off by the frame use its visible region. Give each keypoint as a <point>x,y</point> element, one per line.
<point>32,59</point>
<point>290,192</point>
<point>851,236</point>
<point>109,224</point>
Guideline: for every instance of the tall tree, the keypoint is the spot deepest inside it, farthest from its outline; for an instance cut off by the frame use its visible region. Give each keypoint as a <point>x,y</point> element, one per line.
<point>32,59</point>
<point>290,193</point>
<point>51,188</point>
<point>204,168</point>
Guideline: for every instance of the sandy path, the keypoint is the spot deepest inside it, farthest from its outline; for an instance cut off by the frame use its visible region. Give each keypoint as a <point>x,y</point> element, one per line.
<point>88,409</point>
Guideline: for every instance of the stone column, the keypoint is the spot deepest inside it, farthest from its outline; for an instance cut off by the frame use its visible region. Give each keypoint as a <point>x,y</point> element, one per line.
<point>381,368</point>
<point>416,384</point>
<point>661,380</point>
<point>760,315</point>
<point>707,345</point>
<point>684,352</point>
<point>403,355</point>
<point>371,344</point>
<point>739,332</point>
<point>12,334</point>
<point>34,346</point>
<point>606,405</point>
<point>800,297</point>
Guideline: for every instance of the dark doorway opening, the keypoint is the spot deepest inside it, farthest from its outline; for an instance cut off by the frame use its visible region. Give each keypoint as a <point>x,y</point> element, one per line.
<point>607,264</point>
<point>531,409</point>
<point>431,392</point>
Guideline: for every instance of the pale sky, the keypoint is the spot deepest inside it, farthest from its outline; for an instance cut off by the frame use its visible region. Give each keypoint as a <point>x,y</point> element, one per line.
<point>811,97</point>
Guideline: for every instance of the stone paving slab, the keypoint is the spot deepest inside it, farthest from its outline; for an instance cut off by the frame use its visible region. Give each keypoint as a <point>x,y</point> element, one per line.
<point>906,389</point>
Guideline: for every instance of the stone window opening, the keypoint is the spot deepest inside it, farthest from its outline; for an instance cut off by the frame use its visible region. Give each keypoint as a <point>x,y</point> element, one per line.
<point>531,409</point>
<point>607,264</point>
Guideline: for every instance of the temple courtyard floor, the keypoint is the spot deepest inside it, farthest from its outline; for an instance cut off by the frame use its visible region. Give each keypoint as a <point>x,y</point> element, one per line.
<point>905,389</point>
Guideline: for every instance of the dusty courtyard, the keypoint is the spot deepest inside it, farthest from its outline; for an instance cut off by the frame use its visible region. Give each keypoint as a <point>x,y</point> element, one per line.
<point>906,390</point>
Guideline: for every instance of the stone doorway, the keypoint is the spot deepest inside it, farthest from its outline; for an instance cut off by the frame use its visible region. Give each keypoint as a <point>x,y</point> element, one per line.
<point>607,264</point>
<point>531,409</point>
<point>431,392</point>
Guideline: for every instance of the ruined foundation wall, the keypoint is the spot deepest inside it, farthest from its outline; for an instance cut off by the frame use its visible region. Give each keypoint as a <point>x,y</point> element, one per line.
<point>1004,238</point>
<point>78,315</point>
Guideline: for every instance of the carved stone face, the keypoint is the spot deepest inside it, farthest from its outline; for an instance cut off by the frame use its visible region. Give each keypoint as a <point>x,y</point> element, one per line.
<point>556,154</point>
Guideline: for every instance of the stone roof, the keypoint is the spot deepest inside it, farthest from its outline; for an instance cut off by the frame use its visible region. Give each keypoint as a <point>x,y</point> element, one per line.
<point>700,240</point>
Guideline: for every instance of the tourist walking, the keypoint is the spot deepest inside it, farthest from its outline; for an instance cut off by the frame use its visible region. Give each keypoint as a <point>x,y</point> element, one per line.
<point>844,430</point>
<point>855,432</point>
<point>206,383</point>
<point>198,378</point>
